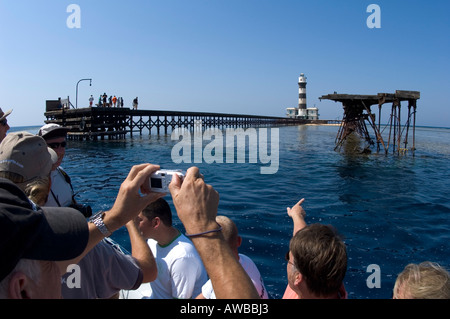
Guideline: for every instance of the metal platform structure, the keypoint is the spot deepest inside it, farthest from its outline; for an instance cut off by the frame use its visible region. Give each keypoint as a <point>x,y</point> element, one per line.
<point>357,112</point>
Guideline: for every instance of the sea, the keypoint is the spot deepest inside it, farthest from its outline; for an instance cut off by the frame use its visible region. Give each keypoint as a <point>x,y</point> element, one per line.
<point>391,210</point>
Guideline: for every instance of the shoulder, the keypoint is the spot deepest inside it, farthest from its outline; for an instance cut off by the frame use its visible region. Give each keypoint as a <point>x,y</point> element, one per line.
<point>246,262</point>
<point>111,253</point>
<point>187,245</point>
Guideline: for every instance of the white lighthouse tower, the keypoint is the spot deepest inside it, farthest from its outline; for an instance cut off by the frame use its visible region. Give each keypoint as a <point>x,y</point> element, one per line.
<point>302,113</point>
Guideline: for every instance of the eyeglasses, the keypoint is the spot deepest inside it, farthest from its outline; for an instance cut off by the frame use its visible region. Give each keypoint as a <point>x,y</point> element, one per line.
<point>4,122</point>
<point>57,145</point>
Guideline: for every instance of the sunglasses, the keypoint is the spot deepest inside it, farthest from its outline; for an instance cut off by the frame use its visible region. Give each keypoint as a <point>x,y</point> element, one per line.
<point>288,259</point>
<point>57,145</point>
<point>4,122</point>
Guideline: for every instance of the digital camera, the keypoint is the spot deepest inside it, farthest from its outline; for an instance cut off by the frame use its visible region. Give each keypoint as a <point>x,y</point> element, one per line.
<point>160,180</point>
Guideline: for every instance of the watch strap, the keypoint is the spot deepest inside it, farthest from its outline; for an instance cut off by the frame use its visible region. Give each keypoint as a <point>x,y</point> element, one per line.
<point>97,220</point>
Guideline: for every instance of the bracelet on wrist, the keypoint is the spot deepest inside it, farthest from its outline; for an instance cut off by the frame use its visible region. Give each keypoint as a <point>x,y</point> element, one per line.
<point>206,232</point>
<point>97,220</point>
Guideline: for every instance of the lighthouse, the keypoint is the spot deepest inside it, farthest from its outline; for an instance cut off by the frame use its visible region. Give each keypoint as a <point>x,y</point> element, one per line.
<point>302,96</point>
<point>302,111</point>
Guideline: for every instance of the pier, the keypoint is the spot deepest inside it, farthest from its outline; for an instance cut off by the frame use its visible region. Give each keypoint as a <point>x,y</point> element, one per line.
<point>93,123</point>
<point>357,111</point>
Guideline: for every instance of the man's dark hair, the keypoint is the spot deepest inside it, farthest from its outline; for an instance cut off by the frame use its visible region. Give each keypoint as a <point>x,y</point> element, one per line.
<point>159,208</point>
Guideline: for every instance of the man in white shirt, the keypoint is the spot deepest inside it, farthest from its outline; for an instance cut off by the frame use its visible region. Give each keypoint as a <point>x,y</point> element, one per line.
<point>181,273</point>
<point>61,192</point>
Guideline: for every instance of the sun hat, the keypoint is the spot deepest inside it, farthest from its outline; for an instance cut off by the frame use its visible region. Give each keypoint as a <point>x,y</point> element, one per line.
<point>26,154</point>
<point>3,115</point>
<point>31,232</point>
<point>52,130</point>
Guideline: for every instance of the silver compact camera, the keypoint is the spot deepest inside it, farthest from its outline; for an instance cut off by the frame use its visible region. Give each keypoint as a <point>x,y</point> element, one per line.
<point>160,180</point>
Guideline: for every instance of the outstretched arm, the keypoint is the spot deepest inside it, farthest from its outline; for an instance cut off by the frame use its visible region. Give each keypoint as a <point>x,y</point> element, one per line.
<point>129,203</point>
<point>196,204</point>
<point>297,213</point>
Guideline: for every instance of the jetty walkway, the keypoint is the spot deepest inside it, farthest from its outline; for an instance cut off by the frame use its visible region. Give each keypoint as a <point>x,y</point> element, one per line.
<point>93,123</point>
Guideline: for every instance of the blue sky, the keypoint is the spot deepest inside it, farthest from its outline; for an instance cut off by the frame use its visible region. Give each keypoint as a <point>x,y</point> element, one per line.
<point>233,56</point>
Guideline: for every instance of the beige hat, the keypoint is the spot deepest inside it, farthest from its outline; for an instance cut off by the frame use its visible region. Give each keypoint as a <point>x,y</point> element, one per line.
<point>3,115</point>
<point>27,155</point>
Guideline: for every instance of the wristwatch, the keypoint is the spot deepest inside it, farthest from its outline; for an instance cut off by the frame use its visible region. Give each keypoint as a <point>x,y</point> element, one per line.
<point>97,220</point>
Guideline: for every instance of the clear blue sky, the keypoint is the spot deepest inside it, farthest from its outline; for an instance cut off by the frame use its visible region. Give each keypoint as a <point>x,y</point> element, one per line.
<point>236,56</point>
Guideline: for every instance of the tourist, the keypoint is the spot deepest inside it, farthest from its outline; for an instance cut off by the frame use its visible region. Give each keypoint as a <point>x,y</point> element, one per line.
<point>114,100</point>
<point>231,235</point>
<point>91,100</point>
<point>61,192</point>
<point>427,280</point>
<point>104,99</point>
<point>26,160</point>
<point>196,204</point>
<point>118,270</point>
<point>181,273</point>
<point>4,126</point>
<point>27,155</point>
<point>322,279</point>
<point>32,242</point>
<point>32,239</point>
<point>46,240</point>
<point>135,103</point>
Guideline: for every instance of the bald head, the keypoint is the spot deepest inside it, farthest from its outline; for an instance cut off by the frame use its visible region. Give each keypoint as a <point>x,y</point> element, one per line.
<point>230,232</point>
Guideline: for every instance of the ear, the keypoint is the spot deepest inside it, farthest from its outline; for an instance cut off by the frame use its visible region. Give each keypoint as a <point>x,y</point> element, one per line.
<point>156,222</point>
<point>298,279</point>
<point>18,286</point>
<point>239,241</point>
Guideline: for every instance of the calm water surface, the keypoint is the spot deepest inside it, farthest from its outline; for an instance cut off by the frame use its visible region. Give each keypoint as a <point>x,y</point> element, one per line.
<point>391,210</point>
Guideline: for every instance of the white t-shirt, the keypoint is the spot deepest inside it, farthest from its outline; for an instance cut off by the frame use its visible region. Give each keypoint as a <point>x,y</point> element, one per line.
<point>61,192</point>
<point>181,273</point>
<point>252,271</point>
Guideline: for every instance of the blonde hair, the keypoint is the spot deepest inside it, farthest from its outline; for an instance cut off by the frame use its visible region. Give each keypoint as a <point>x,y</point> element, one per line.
<point>427,280</point>
<point>36,189</point>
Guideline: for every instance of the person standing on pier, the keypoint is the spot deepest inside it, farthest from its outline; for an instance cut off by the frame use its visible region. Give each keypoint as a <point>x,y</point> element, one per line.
<point>114,100</point>
<point>135,103</point>
<point>91,100</point>
<point>4,127</point>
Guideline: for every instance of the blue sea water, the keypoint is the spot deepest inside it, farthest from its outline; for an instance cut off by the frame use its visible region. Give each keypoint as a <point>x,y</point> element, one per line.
<point>391,210</point>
